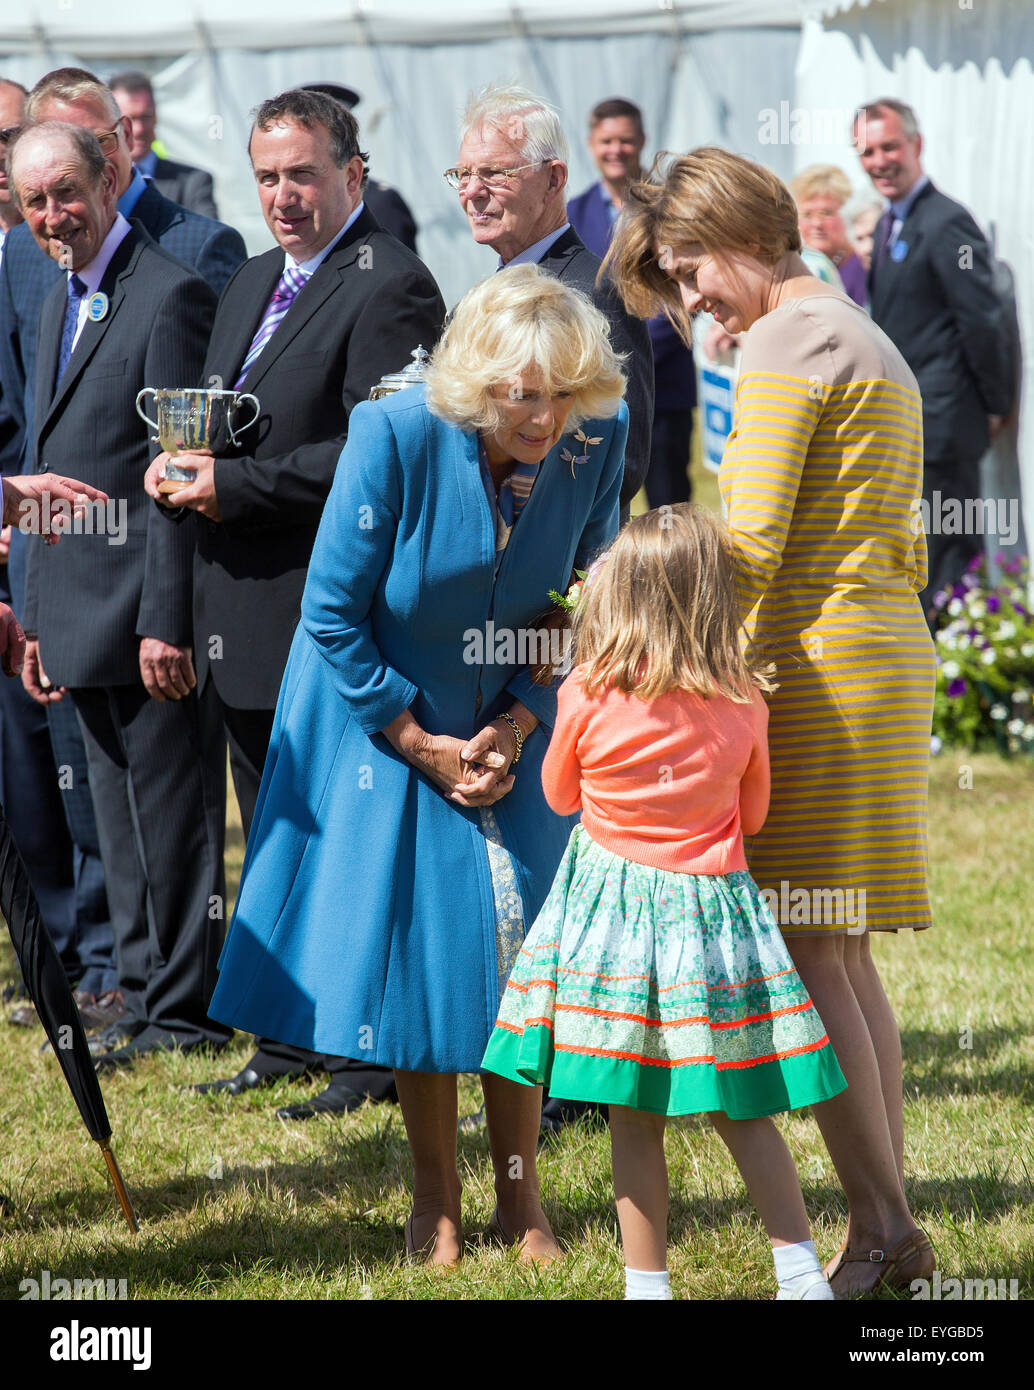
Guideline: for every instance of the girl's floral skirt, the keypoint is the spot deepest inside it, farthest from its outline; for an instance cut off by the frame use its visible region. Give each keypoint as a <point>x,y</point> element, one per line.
<point>667,992</point>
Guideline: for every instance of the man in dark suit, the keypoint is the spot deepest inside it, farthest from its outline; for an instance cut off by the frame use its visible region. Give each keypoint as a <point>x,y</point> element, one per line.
<point>108,614</point>
<point>182,183</point>
<point>931,291</point>
<point>26,276</point>
<point>307,328</point>
<point>616,140</point>
<point>515,141</point>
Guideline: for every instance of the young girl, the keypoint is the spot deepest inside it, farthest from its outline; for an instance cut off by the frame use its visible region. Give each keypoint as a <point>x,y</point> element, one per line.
<point>654,978</point>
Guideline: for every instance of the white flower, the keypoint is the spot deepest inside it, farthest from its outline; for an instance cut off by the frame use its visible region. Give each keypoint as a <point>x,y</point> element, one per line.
<point>1015,726</point>
<point>935,744</point>
<point>1011,653</point>
<point>1027,650</point>
<point>950,670</point>
<point>988,656</point>
<point>963,642</point>
<point>947,640</point>
<point>955,607</point>
<point>1028,732</point>
<point>1018,696</point>
<point>977,607</point>
<point>998,712</point>
<point>1006,629</point>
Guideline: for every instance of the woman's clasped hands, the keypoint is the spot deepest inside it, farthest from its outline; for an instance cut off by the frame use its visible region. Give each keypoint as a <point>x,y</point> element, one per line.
<point>474,772</point>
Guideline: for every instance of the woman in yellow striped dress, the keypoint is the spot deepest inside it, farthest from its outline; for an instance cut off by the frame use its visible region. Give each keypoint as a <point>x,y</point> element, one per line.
<point>821,478</point>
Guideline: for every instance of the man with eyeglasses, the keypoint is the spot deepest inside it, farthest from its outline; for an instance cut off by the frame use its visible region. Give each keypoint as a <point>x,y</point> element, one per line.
<point>511,175</point>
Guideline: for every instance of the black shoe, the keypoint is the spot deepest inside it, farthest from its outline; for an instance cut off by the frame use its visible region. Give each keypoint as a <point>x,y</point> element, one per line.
<point>246,1080</point>
<point>335,1100</point>
<point>146,1044</point>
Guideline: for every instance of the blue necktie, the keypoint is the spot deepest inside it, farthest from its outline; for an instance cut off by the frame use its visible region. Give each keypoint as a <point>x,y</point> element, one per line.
<point>76,290</point>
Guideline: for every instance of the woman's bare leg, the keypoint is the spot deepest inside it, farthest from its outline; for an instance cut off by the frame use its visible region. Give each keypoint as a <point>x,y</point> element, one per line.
<point>883,1030</point>
<point>855,1124</point>
<point>512,1113</point>
<point>428,1102</point>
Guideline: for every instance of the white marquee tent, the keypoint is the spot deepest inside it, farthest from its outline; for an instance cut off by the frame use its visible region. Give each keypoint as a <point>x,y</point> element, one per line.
<point>773,79</point>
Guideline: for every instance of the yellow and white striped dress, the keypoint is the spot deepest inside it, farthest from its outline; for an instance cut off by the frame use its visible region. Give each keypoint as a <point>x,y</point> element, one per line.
<point>821,477</point>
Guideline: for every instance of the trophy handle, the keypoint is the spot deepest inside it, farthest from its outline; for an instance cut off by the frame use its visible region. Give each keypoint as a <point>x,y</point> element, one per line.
<point>147,391</point>
<point>238,399</point>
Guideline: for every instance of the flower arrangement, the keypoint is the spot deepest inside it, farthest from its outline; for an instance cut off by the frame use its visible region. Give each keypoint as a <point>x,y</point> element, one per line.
<point>985,660</point>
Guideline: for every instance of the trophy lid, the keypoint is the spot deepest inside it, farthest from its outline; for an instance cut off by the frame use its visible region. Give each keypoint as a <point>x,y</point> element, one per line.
<point>410,375</point>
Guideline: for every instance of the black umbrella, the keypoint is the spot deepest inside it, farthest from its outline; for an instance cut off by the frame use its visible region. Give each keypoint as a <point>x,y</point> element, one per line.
<point>48,988</point>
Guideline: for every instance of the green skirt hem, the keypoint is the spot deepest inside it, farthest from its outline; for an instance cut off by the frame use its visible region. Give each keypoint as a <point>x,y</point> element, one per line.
<point>742,1093</point>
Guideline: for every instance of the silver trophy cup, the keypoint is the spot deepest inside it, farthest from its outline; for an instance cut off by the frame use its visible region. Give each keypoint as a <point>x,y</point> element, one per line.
<point>193,419</point>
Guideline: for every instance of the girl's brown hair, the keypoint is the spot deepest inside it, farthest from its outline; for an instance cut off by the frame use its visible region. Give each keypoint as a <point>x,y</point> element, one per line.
<point>660,612</point>
<point>709,198</point>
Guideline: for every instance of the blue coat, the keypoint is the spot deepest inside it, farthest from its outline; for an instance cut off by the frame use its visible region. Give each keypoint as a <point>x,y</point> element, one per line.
<point>365,923</point>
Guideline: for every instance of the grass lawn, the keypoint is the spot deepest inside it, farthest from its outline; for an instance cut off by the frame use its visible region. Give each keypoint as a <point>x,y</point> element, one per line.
<point>234,1203</point>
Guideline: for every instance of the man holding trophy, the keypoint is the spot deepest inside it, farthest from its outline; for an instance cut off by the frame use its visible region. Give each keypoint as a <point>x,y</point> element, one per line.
<point>306,329</point>
<point>108,613</point>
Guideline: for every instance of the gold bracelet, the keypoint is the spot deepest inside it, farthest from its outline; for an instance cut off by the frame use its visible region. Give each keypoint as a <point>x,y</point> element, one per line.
<point>518,737</point>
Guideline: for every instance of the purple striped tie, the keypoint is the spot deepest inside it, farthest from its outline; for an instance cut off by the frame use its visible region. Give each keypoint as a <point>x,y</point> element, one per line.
<point>283,296</point>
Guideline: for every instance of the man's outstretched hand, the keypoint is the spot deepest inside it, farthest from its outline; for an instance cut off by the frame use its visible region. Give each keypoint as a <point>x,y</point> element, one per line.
<point>41,502</point>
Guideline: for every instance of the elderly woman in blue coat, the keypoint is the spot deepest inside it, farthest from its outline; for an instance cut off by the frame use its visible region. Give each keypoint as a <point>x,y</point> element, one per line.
<point>401,844</point>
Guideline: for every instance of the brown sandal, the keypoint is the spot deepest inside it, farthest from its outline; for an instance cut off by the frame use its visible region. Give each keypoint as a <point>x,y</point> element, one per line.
<point>838,1259</point>
<point>895,1266</point>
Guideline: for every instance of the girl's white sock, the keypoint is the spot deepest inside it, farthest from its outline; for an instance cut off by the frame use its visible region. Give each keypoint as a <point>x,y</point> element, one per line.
<point>646,1283</point>
<point>799,1272</point>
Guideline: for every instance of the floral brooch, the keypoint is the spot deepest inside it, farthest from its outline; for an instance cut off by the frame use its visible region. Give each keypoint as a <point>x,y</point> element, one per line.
<point>587,442</point>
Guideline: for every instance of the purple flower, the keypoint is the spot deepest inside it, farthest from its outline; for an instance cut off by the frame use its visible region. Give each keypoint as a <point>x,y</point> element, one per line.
<point>959,591</point>
<point>974,564</point>
<point>957,688</point>
<point>993,603</point>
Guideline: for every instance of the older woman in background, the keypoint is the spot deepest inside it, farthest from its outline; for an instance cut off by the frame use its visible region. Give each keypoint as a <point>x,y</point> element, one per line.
<point>402,844</point>
<point>820,476</point>
<point>820,192</point>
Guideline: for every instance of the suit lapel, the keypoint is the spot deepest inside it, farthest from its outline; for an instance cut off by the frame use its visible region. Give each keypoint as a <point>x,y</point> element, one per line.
<point>882,279</point>
<point>310,299</point>
<point>557,259</point>
<point>260,282</point>
<point>120,268</point>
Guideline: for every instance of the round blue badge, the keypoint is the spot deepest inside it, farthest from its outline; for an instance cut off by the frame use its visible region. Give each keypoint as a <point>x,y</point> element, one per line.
<point>97,306</point>
<point>899,251</point>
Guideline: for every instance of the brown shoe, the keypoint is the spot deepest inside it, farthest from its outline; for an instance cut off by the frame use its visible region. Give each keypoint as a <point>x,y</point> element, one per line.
<point>24,1016</point>
<point>102,1010</point>
<point>912,1258</point>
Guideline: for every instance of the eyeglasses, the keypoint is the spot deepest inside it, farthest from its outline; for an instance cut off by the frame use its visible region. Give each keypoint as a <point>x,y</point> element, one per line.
<point>108,139</point>
<point>9,133</point>
<point>489,176</point>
